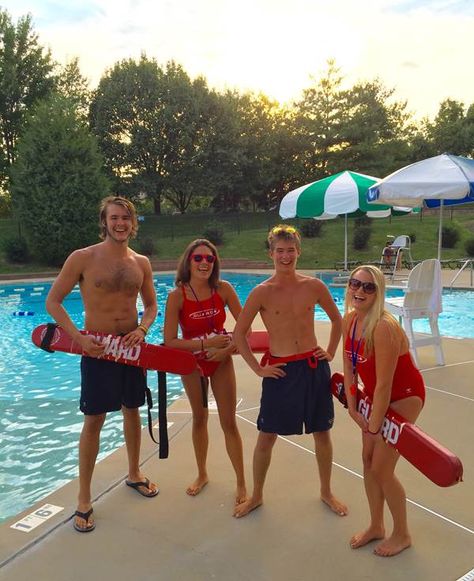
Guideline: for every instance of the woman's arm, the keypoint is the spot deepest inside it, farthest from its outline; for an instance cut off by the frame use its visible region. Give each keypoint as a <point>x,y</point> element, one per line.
<point>170,332</point>
<point>387,344</point>
<point>230,298</point>
<point>348,375</point>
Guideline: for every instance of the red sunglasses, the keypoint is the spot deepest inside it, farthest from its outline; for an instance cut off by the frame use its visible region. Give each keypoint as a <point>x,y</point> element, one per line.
<point>210,258</point>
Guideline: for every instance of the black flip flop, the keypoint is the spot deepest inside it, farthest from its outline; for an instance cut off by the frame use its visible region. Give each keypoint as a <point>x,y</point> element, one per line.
<point>85,516</point>
<point>143,484</point>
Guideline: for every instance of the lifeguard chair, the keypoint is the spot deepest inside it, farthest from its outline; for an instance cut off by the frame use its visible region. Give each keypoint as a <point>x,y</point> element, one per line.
<point>395,255</point>
<point>422,300</point>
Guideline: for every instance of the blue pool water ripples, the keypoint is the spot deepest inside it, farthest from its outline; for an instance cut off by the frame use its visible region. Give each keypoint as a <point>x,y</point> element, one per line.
<point>40,421</point>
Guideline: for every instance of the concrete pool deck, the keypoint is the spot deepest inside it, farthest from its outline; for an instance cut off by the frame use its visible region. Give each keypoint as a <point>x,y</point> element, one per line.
<point>293,536</point>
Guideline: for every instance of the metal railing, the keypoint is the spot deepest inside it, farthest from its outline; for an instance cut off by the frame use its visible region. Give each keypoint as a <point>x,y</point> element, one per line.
<point>467,263</point>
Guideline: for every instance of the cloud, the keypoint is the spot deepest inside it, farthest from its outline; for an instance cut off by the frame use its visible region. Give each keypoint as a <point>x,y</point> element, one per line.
<point>417,47</point>
<point>410,65</point>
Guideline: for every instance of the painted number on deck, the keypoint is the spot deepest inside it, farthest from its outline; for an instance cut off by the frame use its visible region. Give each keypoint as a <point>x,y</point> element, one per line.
<point>36,518</point>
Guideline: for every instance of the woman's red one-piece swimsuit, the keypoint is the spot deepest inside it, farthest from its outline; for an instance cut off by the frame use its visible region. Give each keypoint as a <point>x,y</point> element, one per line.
<point>407,380</point>
<point>198,319</point>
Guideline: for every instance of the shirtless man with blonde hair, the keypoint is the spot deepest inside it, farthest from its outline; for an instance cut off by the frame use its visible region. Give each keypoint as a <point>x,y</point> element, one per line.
<point>296,376</point>
<point>110,277</point>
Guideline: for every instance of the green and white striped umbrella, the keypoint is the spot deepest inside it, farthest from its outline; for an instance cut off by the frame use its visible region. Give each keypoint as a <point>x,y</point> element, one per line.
<point>343,193</point>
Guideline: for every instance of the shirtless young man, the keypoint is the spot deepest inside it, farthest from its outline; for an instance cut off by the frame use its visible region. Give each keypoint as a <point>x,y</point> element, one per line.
<point>110,277</point>
<point>296,376</point>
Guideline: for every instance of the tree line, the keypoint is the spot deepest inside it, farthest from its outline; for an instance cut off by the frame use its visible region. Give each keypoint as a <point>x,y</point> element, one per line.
<point>153,134</point>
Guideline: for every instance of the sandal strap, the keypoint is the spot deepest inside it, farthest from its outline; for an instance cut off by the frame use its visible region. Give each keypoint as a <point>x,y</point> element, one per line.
<point>84,515</point>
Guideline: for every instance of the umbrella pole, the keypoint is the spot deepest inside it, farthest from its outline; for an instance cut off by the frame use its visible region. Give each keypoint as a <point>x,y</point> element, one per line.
<point>440,235</point>
<point>345,242</point>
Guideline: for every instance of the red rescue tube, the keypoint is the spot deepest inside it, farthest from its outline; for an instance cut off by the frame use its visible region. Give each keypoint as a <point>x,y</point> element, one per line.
<point>144,355</point>
<point>435,461</point>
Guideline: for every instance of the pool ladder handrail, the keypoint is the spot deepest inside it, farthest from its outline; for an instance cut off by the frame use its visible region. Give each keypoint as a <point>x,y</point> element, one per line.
<point>469,261</point>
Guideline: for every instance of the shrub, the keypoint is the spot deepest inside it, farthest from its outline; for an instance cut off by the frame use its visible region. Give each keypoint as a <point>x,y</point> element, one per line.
<point>450,236</point>
<point>363,221</point>
<point>16,250</point>
<point>147,246</point>
<point>5,205</point>
<point>214,232</point>
<point>469,246</point>
<point>57,181</point>
<point>361,238</point>
<point>311,228</point>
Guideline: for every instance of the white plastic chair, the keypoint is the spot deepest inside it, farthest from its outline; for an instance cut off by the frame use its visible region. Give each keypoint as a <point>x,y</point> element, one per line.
<point>422,300</point>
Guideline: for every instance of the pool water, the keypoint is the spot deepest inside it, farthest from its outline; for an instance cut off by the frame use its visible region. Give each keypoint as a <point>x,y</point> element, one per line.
<point>40,421</point>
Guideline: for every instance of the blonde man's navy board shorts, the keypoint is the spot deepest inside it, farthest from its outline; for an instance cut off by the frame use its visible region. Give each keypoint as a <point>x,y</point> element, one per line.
<point>302,398</point>
<point>107,385</point>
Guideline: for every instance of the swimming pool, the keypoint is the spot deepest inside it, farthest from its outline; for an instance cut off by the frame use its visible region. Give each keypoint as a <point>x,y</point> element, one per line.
<point>39,392</point>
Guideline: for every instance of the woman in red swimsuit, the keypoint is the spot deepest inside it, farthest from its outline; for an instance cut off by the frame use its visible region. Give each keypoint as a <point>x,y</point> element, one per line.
<point>197,305</point>
<point>376,351</point>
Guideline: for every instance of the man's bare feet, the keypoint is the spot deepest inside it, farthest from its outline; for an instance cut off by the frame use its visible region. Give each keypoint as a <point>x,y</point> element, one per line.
<point>335,505</point>
<point>244,508</point>
<point>367,536</point>
<point>392,546</point>
<point>195,488</point>
<point>240,495</point>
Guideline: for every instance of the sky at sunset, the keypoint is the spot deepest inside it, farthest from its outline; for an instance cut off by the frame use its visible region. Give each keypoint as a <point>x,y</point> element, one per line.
<point>420,48</point>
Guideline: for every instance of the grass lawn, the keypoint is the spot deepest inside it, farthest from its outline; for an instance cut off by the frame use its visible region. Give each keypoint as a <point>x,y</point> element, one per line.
<point>245,236</point>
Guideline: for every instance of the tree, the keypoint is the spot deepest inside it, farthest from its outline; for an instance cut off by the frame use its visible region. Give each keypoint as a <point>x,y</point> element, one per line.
<point>193,112</point>
<point>319,115</point>
<point>225,151</point>
<point>251,153</point>
<point>151,124</point>
<point>26,76</point>
<point>361,128</point>
<point>72,84</point>
<point>453,129</point>
<point>270,149</point>
<point>373,130</point>
<point>57,181</point>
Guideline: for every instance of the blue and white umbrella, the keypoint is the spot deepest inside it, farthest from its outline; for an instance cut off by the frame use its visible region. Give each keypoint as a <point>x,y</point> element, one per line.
<point>437,181</point>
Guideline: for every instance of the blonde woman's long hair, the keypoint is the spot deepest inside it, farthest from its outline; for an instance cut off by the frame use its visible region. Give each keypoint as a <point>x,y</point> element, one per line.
<point>377,312</point>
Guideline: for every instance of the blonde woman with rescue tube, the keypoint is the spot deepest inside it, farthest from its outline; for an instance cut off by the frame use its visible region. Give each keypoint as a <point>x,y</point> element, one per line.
<point>376,350</point>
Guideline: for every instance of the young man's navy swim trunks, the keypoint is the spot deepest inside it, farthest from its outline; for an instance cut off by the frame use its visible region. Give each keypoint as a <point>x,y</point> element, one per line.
<point>107,385</point>
<point>302,397</point>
